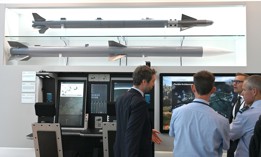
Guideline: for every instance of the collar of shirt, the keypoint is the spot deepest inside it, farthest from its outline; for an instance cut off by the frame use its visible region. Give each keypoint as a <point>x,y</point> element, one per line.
<point>242,101</point>
<point>241,97</point>
<point>201,100</point>
<point>256,104</point>
<point>138,90</point>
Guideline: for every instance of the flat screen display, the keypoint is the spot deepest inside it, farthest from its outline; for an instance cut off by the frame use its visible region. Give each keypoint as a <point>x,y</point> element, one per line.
<point>175,90</point>
<point>71,104</point>
<point>119,87</point>
<point>99,98</point>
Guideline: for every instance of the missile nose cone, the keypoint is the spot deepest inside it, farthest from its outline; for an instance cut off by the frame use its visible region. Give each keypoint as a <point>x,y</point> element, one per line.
<point>211,51</point>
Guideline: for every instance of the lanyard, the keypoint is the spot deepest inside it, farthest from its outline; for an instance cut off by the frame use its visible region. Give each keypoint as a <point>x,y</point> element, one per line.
<point>201,102</point>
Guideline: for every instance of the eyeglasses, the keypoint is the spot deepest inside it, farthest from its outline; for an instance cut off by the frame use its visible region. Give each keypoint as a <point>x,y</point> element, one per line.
<point>237,81</point>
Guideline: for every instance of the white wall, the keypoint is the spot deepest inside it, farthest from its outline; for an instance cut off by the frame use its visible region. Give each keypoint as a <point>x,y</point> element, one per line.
<point>16,118</point>
<point>2,26</point>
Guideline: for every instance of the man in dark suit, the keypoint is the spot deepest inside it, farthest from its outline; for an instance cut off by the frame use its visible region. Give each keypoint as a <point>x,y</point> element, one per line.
<point>239,103</point>
<point>134,133</point>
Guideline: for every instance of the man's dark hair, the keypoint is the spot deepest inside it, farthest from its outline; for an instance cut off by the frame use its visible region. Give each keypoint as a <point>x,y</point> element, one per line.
<point>142,72</point>
<point>204,82</point>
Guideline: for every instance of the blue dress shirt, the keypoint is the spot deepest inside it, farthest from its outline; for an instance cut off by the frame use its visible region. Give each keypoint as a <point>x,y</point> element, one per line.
<point>198,131</point>
<point>243,128</point>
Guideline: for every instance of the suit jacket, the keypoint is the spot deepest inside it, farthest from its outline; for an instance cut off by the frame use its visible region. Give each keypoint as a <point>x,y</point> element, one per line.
<point>134,132</point>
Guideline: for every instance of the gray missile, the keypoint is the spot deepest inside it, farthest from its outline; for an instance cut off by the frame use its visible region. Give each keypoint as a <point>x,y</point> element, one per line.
<point>114,50</point>
<point>186,22</point>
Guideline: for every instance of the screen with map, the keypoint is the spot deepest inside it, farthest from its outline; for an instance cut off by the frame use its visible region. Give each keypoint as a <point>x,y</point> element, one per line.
<point>175,90</point>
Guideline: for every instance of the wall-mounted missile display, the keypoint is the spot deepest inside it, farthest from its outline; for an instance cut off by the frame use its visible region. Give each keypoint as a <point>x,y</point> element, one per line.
<point>186,22</point>
<point>166,36</point>
<point>113,50</point>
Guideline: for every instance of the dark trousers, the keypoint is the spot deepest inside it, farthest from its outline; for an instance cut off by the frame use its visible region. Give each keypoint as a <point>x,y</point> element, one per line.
<point>232,148</point>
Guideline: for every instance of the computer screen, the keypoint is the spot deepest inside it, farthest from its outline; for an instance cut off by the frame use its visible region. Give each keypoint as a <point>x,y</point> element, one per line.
<point>99,98</point>
<point>119,87</point>
<point>71,106</point>
<point>175,90</point>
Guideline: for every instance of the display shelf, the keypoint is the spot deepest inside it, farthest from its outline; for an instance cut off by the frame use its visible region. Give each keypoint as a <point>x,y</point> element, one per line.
<point>220,39</point>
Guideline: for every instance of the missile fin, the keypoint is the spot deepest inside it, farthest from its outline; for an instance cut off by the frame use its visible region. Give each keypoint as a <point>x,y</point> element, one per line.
<point>184,28</point>
<point>115,44</point>
<point>19,58</point>
<point>42,30</point>
<point>37,17</point>
<point>186,17</point>
<point>16,44</point>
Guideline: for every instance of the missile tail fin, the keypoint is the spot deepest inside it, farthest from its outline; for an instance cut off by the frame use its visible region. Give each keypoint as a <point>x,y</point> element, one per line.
<point>186,17</point>
<point>184,28</point>
<point>115,44</point>
<point>19,58</point>
<point>37,17</point>
<point>16,44</point>
<point>42,30</point>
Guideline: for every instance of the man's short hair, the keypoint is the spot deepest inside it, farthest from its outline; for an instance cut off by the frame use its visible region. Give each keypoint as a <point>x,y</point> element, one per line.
<point>142,72</point>
<point>242,74</point>
<point>254,81</point>
<point>204,82</point>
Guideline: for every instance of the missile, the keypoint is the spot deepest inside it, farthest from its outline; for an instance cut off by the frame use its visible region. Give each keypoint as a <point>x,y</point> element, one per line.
<point>114,51</point>
<point>186,22</point>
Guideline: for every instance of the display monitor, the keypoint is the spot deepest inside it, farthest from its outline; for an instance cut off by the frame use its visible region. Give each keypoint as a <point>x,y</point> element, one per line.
<point>175,90</point>
<point>99,98</point>
<point>71,112</point>
<point>120,86</point>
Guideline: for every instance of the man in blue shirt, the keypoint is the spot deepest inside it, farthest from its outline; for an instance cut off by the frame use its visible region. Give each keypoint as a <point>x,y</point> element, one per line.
<point>243,126</point>
<point>197,129</point>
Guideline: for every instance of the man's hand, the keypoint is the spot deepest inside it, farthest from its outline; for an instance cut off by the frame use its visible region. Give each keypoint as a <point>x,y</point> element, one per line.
<point>155,137</point>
